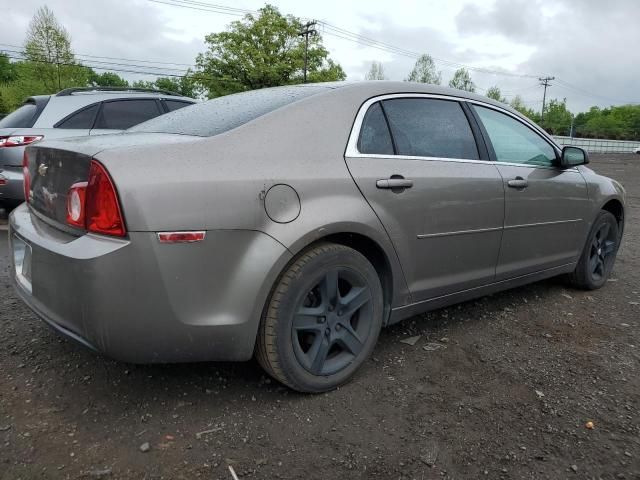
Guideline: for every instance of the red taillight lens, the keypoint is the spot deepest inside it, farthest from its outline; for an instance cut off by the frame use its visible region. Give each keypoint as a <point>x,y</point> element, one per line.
<point>94,205</point>
<point>19,140</point>
<point>27,176</point>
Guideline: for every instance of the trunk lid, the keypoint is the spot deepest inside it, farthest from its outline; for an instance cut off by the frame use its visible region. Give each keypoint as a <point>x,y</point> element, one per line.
<point>56,165</point>
<point>53,172</point>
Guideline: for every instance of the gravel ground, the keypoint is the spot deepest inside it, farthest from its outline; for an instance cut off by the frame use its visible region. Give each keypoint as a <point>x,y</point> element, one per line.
<point>507,393</point>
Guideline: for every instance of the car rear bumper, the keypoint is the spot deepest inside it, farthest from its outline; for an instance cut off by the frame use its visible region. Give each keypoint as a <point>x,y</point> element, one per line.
<point>11,184</point>
<point>140,301</point>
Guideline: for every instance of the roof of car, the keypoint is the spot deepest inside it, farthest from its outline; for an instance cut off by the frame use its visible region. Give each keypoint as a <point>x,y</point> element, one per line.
<point>92,90</point>
<point>68,101</point>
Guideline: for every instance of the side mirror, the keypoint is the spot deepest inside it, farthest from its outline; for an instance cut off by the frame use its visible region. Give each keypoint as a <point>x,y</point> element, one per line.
<point>573,156</point>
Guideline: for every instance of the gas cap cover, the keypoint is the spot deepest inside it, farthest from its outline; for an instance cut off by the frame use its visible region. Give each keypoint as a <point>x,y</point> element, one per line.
<point>282,203</point>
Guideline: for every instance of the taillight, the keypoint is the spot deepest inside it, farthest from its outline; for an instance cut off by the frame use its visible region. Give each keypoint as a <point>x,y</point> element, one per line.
<point>94,205</point>
<point>27,176</point>
<point>19,140</point>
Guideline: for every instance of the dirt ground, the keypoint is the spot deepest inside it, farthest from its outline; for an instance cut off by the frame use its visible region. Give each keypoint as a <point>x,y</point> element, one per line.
<point>507,394</point>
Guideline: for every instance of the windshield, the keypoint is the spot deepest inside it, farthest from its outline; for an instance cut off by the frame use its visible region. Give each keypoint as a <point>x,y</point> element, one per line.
<point>226,113</point>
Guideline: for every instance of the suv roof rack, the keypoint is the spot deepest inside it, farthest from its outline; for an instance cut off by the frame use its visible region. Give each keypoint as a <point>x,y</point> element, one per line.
<point>71,91</point>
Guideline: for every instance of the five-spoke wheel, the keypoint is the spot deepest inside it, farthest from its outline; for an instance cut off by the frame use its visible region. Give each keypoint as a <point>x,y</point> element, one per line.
<point>599,254</point>
<point>323,319</point>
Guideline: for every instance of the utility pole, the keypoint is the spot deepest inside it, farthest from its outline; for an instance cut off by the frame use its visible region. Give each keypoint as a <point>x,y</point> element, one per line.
<point>545,82</point>
<point>307,30</point>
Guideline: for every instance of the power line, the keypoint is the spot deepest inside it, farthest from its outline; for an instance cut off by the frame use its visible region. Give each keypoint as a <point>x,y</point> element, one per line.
<point>95,67</point>
<point>340,33</point>
<point>561,83</point>
<point>99,62</point>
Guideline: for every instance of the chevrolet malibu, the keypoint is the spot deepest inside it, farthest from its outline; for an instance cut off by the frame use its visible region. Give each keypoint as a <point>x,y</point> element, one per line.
<point>294,223</point>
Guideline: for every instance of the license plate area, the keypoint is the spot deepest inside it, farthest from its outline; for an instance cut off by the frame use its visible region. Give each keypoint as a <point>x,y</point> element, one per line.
<point>22,262</point>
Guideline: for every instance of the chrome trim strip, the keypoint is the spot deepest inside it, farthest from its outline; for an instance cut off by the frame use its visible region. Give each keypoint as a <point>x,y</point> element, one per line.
<point>460,232</point>
<point>352,145</point>
<point>541,224</point>
<point>457,160</point>
<point>494,229</point>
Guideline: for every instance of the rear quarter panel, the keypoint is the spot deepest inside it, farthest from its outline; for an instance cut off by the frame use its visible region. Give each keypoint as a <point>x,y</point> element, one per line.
<point>220,183</point>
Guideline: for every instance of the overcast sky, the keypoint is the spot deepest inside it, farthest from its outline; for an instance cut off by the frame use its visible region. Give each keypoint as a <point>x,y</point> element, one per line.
<point>592,47</point>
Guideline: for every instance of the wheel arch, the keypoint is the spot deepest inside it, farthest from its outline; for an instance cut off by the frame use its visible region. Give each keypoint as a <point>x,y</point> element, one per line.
<point>380,254</point>
<point>615,207</point>
<point>376,255</point>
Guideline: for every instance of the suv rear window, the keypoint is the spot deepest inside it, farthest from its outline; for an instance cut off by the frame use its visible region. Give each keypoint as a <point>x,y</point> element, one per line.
<point>23,117</point>
<point>123,114</point>
<point>226,113</point>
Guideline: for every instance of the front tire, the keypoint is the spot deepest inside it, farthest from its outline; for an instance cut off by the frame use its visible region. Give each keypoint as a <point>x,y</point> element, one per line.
<point>322,320</point>
<point>599,253</point>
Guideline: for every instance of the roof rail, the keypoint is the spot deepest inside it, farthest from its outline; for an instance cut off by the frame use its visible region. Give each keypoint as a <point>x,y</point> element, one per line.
<point>70,91</point>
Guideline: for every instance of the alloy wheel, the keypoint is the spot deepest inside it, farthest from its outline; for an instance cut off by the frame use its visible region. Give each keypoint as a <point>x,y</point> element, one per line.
<point>601,254</point>
<point>332,322</point>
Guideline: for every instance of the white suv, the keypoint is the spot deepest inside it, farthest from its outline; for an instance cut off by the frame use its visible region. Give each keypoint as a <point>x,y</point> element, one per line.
<point>71,113</point>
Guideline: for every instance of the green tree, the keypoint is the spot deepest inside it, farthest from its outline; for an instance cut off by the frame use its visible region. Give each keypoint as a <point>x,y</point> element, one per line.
<point>462,81</point>
<point>557,119</point>
<point>424,71</point>
<point>263,50</point>
<point>495,94</point>
<point>48,48</point>
<point>7,70</point>
<point>517,103</point>
<point>107,79</point>
<point>183,85</point>
<point>376,72</point>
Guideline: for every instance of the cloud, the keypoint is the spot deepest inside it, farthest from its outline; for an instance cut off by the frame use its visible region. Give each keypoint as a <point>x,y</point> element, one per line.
<point>591,47</point>
<point>118,28</point>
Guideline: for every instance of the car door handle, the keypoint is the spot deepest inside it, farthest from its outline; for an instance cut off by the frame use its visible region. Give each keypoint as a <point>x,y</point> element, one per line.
<point>518,182</point>
<point>394,183</point>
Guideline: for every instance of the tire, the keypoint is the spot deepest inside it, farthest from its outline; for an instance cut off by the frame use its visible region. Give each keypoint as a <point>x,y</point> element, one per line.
<point>598,254</point>
<point>322,320</point>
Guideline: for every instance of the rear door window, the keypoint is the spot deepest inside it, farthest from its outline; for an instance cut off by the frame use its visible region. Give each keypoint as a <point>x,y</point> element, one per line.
<point>427,127</point>
<point>375,138</point>
<point>123,114</point>
<point>82,119</point>
<point>23,117</point>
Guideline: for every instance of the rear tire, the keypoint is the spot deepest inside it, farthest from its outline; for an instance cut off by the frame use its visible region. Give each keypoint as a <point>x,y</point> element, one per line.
<point>598,254</point>
<point>322,320</point>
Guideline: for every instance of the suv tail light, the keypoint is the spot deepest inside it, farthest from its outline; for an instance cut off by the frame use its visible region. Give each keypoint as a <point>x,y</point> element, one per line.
<point>19,140</point>
<point>27,176</point>
<point>94,205</point>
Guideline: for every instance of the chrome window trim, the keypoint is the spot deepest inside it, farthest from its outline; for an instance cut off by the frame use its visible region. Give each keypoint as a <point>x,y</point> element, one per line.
<point>352,144</point>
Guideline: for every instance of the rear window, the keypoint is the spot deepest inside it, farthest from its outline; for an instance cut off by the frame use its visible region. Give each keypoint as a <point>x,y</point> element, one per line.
<point>23,117</point>
<point>430,128</point>
<point>226,113</point>
<point>123,114</point>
